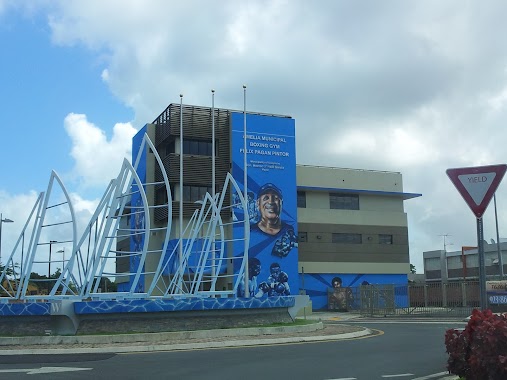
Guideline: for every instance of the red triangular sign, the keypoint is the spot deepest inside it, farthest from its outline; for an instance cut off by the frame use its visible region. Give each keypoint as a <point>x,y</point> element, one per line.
<point>477,185</point>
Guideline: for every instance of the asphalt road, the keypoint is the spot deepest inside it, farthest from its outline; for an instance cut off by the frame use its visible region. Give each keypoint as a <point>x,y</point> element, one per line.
<point>399,351</point>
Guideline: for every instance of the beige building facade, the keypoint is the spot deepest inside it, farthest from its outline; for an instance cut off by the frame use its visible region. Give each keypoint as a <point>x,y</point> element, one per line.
<point>351,223</point>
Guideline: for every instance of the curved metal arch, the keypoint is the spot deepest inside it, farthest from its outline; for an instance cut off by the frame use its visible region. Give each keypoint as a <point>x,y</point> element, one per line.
<point>76,270</point>
<point>102,222</point>
<point>41,216</point>
<point>209,245</point>
<point>158,159</point>
<point>146,210</point>
<point>127,178</point>
<point>74,231</point>
<point>14,292</point>
<point>177,284</point>
<point>208,214</point>
<point>244,204</point>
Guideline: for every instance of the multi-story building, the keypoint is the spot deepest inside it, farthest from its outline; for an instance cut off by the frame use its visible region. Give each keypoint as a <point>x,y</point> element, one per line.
<point>350,224</point>
<point>463,265</point>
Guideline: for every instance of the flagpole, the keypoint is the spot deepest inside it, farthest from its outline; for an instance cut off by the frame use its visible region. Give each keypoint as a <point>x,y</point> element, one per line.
<point>180,252</point>
<point>213,186</point>
<point>246,217</point>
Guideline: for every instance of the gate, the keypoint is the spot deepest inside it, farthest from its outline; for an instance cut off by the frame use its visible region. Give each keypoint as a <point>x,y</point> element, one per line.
<point>453,299</point>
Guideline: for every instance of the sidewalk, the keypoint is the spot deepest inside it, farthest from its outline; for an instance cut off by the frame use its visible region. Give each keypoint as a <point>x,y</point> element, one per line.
<point>331,316</point>
<point>188,340</point>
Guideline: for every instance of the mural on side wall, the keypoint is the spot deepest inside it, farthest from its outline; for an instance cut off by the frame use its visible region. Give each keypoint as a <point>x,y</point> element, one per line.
<point>272,210</point>
<point>341,292</point>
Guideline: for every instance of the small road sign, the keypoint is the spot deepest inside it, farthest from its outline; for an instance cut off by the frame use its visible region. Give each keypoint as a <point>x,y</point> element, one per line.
<point>477,184</point>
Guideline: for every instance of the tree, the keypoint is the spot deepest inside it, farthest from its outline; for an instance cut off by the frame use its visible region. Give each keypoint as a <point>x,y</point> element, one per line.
<point>106,285</point>
<point>412,269</point>
<point>9,271</point>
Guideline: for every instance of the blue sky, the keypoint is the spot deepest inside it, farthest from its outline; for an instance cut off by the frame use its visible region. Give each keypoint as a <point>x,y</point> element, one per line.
<point>41,84</point>
<point>415,88</point>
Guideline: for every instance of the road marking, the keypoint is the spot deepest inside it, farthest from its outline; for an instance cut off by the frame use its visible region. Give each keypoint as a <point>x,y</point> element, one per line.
<point>432,376</point>
<point>34,371</point>
<point>344,378</point>
<point>399,375</point>
<point>408,322</point>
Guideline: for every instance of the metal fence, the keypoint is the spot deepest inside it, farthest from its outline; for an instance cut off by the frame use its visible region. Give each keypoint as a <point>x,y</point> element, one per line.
<point>453,299</point>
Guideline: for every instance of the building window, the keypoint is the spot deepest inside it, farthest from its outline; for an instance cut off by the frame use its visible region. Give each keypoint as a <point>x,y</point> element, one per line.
<point>198,147</point>
<point>302,237</point>
<point>344,238</point>
<point>432,264</point>
<point>162,196</point>
<point>302,199</point>
<point>385,239</point>
<point>195,193</point>
<point>339,201</point>
<point>169,148</point>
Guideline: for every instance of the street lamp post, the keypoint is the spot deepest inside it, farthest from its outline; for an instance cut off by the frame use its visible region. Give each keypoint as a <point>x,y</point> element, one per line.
<point>63,260</point>
<point>2,221</point>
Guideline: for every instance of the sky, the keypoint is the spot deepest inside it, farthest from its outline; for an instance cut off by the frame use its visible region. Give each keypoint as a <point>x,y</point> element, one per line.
<point>412,87</point>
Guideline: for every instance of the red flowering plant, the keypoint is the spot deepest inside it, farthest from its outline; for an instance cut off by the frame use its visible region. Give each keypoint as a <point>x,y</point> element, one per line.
<point>479,352</point>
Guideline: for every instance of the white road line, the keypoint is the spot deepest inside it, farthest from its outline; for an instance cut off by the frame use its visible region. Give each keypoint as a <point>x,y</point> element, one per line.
<point>408,322</point>
<point>33,371</point>
<point>399,375</point>
<point>432,376</point>
<point>344,378</point>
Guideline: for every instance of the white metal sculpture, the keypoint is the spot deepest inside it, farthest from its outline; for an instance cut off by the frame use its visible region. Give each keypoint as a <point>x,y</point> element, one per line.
<point>52,215</point>
<point>93,255</point>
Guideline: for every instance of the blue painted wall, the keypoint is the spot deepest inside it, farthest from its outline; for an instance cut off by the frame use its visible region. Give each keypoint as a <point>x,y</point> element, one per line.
<point>271,163</point>
<point>317,286</point>
<point>137,220</point>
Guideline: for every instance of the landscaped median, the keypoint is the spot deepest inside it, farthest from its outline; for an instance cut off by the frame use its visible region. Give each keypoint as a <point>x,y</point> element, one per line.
<point>300,331</point>
<point>295,328</point>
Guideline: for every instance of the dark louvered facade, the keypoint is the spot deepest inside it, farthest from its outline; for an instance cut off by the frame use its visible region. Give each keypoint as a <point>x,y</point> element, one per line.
<point>197,169</point>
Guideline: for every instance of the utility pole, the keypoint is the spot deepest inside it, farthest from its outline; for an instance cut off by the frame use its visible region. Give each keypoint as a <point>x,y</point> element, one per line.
<point>499,251</point>
<point>445,245</point>
<point>443,259</point>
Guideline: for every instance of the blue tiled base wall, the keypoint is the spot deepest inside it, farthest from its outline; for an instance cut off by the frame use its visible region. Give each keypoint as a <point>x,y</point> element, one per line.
<point>186,304</point>
<point>144,315</point>
<point>179,314</point>
<point>29,308</point>
<point>180,320</point>
<point>32,318</point>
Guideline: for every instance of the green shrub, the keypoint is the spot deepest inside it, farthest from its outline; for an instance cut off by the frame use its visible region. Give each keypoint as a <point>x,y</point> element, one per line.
<point>479,352</point>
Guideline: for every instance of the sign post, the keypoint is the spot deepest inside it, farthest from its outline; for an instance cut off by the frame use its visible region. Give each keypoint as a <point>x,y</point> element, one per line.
<point>477,185</point>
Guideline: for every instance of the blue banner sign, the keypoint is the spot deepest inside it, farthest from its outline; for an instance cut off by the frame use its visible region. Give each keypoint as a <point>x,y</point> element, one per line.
<point>272,203</point>
<point>496,292</point>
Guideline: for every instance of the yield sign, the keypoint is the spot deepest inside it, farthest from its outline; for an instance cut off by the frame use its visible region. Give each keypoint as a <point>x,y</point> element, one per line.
<point>477,184</point>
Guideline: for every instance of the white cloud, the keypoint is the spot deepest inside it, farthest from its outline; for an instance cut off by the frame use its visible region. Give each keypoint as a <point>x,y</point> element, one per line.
<point>16,207</point>
<point>406,143</point>
<point>97,159</point>
<point>498,100</point>
<point>417,87</point>
<point>353,141</point>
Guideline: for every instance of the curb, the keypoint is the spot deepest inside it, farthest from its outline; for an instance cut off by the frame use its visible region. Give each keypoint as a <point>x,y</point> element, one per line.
<point>157,340</point>
<point>188,346</point>
<point>156,337</point>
